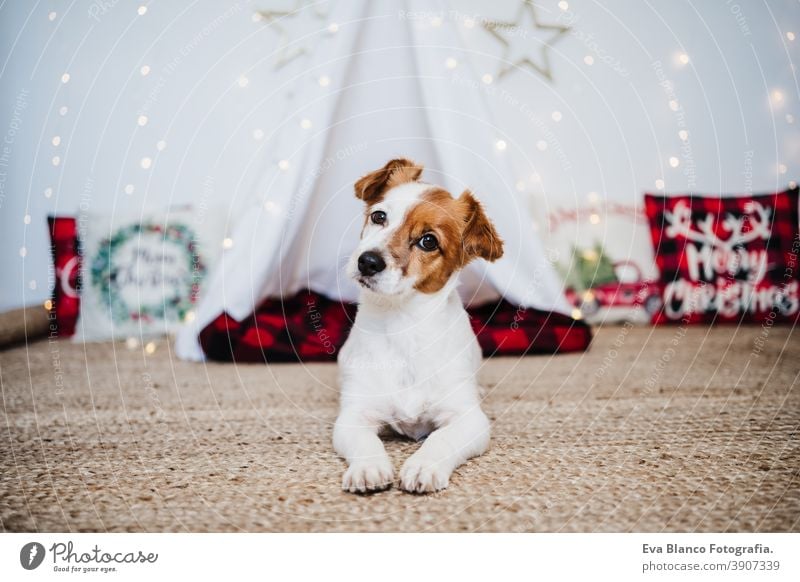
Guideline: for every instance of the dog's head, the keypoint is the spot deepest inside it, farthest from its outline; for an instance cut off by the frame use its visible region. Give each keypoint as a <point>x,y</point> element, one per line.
<point>416,236</point>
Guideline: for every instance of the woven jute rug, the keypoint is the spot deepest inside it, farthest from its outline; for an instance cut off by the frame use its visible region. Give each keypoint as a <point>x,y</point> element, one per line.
<point>665,429</point>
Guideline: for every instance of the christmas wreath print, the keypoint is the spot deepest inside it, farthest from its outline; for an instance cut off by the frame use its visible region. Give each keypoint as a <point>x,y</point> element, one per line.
<point>171,270</point>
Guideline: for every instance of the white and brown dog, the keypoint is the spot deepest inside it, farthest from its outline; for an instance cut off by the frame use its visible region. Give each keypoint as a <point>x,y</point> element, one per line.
<point>411,359</point>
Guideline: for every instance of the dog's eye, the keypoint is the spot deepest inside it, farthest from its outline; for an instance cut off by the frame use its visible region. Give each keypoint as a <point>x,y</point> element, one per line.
<point>428,243</point>
<point>378,217</point>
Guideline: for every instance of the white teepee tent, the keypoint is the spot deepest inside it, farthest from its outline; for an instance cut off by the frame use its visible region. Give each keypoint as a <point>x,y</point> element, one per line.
<point>388,96</point>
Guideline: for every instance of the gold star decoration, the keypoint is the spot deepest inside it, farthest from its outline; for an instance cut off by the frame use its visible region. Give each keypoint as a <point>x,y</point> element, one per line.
<point>505,31</point>
<point>278,19</point>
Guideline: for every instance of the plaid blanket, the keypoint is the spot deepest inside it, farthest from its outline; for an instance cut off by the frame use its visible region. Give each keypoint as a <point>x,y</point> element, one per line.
<point>310,327</point>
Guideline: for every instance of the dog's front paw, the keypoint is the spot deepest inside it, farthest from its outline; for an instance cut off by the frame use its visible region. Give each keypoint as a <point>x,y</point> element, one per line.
<point>420,475</point>
<point>368,476</point>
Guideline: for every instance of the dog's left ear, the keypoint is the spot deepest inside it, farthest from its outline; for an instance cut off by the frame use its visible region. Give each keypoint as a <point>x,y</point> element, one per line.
<point>371,187</point>
<point>480,237</point>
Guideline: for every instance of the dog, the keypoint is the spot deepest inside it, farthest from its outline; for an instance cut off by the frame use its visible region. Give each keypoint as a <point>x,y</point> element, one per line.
<point>411,359</point>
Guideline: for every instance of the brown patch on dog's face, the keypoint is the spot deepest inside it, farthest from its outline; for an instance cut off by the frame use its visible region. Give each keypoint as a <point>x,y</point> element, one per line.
<point>374,185</point>
<point>462,233</point>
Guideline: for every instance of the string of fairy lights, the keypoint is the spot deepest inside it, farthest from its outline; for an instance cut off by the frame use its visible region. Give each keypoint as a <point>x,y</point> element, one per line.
<point>287,26</point>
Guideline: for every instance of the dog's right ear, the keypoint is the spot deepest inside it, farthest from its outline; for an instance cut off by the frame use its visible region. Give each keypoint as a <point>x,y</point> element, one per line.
<point>371,187</point>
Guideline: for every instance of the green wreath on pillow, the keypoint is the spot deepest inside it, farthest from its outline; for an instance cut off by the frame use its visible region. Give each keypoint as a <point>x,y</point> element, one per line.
<point>104,274</point>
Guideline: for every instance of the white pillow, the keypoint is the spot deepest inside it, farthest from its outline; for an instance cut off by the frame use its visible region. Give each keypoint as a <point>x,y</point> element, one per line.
<point>604,254</point>
<point>142,274</point>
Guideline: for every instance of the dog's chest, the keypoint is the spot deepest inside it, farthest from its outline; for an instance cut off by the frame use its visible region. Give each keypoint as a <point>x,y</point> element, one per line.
<point>412,393</point>
<point>407,369</point>
<point>412,409</point>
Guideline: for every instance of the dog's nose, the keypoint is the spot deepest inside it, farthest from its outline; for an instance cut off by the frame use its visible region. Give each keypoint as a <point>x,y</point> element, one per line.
<point>370,263</point>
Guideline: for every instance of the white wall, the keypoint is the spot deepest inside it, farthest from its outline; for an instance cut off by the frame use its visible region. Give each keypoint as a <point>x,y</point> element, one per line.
<point>615,135</point>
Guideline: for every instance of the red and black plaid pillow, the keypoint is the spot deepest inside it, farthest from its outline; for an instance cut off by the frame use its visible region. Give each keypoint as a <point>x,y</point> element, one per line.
<point>727,259</point>
<point>66,301</point>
